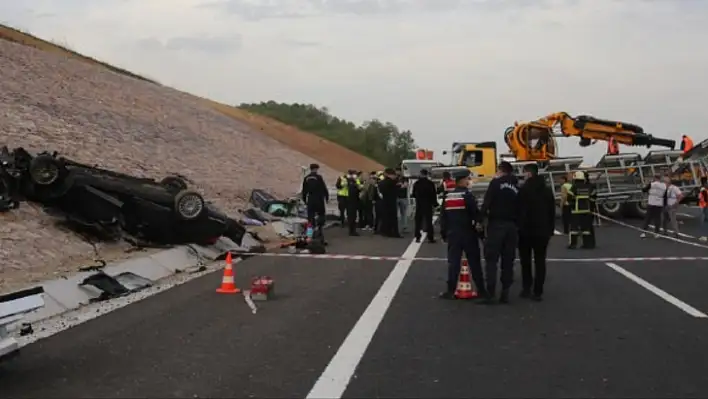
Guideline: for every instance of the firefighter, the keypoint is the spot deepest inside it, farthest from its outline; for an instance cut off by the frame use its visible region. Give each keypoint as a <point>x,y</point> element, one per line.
<point>581,196</point>
<point>425,196</point>
<point>315,194</point>
<point>354,187</point>
<point>612,146</point>
<point>686,144</point>
<point>463,219</point>
<point>447,186</point>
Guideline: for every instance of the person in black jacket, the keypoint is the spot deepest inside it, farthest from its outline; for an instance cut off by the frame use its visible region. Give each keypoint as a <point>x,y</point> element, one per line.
<point>537,220</point>
<point>315,194</point>
<point>426,198</point>
<point>500,211</point>
<point>388,190</point>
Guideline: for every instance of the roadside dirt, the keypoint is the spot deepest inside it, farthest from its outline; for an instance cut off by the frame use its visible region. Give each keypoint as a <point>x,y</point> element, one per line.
<point>49,101</point>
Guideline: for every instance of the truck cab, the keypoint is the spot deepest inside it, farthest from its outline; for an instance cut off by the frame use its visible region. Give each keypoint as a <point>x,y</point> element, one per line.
<point>479,158</point>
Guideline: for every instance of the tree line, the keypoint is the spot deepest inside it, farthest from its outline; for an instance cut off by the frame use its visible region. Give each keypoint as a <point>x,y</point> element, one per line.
<point>381,141</point>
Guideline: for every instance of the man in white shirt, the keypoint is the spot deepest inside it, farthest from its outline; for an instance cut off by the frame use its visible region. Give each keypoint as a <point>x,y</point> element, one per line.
<point>655,205</point>
<point>672,200</point>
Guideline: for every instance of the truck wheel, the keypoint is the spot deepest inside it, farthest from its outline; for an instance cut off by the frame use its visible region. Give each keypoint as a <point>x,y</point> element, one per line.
<point>44,170</point>
<point>612,210</point>
<point>174,182</point>
<point>188,204</point>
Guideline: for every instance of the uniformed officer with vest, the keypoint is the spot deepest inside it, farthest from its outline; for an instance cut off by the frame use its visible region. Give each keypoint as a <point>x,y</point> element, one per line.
<point>343,196</point>
<point>581,197</point>
<point>354,185</point>
<point>448,185</point>
<point>315,194</point>
<point>463,218</point>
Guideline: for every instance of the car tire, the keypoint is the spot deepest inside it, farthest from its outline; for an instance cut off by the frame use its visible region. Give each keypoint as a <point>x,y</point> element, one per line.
<point>188,204</point>
<point>174,183</point>
<point>612,209</point>
<point>44,170</point>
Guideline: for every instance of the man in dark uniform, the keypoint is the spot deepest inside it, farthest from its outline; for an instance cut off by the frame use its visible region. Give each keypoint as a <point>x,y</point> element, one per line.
<point>388,190</point>
<point>353,202</point>
<point>426,198</point>
<point>460,208</point>
<point>581,196</point>
<point>500,210</point>
<point>448,185</point>
<point>315,194</point>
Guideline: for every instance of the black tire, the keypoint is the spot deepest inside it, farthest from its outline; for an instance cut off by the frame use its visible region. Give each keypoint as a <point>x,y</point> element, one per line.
<point>44,170</point>
<point>612,209</point>
<point>174,182</point>
<point>188,204</point>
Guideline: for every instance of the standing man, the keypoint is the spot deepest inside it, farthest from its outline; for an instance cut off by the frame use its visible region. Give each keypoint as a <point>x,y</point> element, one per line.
<point>537,219</point>
<point>582,196</point>
<point>463,219</point>
<point>342,196</point>
<point>402,184</point>
<point>447,186</point>
<point>565,205</point>
<point>686,143</point>
<point>612,146</point>
<point>672,199</point>
<point>315,194</point>
<point>378,204</point>
<point>368,196</point>
<point>354,186</point>
<point>655,205</point>
<point>426,198</point>
<point>388,192</point>
<point>703,204</point>
<point>500,210</point>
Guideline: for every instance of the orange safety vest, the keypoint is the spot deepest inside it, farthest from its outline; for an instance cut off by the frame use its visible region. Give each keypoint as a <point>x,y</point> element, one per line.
<point>612,146</point>
<point>703,198</point>
<point>687,144</point>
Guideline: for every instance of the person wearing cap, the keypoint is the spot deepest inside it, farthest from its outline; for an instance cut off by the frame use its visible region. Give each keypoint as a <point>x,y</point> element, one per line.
<point>463,217</point>
<point>448,185</point>
<point>388,192</point>
<point>426,199</point>
<point>315,194</point>
<point>354,187</point>
<point>500,211</point>
<point>581,197</point>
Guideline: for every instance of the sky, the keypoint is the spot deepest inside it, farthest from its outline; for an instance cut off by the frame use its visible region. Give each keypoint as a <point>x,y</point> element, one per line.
<point>448,70</point>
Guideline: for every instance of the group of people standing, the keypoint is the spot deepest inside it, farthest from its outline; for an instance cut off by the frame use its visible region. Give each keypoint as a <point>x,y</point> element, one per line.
<point>510,218</point>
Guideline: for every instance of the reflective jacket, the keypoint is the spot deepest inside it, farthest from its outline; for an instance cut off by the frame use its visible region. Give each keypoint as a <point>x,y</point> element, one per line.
<point>580,196</point>
<point>461,212</point>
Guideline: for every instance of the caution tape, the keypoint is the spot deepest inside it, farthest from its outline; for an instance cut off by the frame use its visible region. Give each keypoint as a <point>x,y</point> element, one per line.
<point>623,224</point>
<point>437,259</point>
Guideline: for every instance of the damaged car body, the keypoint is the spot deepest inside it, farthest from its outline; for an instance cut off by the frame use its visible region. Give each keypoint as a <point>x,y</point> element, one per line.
<point>113,205</point>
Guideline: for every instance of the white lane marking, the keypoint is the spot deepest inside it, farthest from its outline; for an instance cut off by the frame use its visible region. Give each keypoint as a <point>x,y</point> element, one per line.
<point>658,292</point>
<point>338,373</point>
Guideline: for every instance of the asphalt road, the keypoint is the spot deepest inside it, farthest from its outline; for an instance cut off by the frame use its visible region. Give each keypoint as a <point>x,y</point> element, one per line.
<point>599,333</point>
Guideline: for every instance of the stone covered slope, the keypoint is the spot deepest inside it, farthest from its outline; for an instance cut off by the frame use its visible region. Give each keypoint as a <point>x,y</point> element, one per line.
<point>50,101</point>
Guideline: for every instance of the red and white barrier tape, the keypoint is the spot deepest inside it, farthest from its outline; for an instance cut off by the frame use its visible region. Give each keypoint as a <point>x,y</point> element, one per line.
<point>623,224</point>
<point>435,259</point>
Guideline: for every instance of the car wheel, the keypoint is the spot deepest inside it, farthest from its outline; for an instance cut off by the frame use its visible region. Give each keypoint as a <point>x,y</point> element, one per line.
<point>44,170</point>
<point>174,182</point>
<point>189,204</point>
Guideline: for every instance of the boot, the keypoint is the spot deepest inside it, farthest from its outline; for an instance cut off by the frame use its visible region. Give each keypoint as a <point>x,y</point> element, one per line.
<point>504,297</point>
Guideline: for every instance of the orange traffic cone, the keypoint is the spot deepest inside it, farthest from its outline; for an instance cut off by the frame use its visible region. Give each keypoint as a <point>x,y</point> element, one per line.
<point>228,284</point>
<point>464,285</point>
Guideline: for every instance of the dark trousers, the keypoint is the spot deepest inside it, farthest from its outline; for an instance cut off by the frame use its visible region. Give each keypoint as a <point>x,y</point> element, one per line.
<point>533,250</point>
<point>342,205</point>
<point>367,215</point>
<point>316,212</point>
<point>457,244</point>
<point>443,225</point>
<point>352,212</point>
<point>565,217</point>
<point>502,238</point>
<point>378,212</point>
<point>389,219</point>
<point>424,216</point>
<point>653,216</point>
<point>581,225</point>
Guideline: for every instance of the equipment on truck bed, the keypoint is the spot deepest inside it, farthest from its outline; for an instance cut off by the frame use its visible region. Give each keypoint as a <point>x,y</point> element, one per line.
<point>535,141</point>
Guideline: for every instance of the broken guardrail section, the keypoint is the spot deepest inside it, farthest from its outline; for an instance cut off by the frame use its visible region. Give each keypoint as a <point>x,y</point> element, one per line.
<point>13,307</point>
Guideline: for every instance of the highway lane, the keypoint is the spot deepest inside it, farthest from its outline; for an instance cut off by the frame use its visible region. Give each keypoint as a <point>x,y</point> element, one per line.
<point>598,334</point>
<point>192,342</point>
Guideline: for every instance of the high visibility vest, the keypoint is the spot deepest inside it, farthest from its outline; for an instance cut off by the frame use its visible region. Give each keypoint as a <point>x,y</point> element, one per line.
<point>581,198</point>
<point>344,191</point>
<point>612,146</point>
<point>703,198</point>
<point>687,144</point>
<point>449,185</point>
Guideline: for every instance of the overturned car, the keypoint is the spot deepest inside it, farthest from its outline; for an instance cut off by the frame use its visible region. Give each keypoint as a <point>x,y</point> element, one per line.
<point>111,204</point>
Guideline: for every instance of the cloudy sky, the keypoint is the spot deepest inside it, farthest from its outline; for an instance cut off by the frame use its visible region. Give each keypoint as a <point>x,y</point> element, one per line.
<point>446,69</point>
